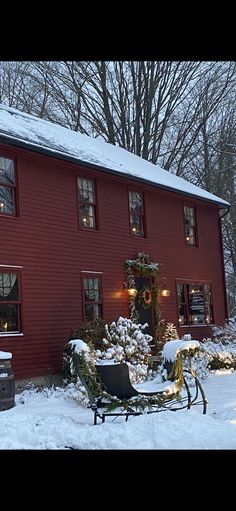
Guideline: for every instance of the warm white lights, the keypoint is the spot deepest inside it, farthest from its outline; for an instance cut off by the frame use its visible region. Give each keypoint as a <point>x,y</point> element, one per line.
<point>132,292</point>
<point>165,292</point>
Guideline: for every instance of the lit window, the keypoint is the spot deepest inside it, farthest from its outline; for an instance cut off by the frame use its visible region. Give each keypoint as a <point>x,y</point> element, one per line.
<point>7,187</point>
<point>136,212</point>
<point>195,303</point>
<point>92,297</point>
<point>9,303</point>
<point>87,203</point>
<point>190,226</point>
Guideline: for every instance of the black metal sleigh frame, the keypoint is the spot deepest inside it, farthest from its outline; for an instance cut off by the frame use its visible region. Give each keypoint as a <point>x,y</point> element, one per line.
<point>120,398</point>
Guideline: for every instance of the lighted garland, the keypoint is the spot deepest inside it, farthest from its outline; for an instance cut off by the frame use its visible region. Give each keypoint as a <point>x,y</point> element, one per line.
<point>141,266</point>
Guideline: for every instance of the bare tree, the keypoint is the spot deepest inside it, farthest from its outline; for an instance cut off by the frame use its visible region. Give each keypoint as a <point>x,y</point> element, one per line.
<point>178,114</point>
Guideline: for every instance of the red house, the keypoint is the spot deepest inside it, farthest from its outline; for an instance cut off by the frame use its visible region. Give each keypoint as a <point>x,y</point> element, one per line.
<point>82,222</point>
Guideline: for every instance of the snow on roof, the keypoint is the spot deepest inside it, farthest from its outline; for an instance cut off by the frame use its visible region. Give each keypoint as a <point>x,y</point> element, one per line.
<point>63,142</point>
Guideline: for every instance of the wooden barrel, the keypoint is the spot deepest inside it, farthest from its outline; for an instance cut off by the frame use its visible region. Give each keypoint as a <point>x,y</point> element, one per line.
<point>7,384</point>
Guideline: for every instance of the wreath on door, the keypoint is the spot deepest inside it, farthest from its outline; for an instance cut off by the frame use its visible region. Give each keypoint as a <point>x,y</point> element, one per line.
<point>145,298</point>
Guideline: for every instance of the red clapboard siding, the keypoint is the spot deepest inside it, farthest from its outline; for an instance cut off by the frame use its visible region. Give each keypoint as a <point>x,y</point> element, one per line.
<point>46,241</point>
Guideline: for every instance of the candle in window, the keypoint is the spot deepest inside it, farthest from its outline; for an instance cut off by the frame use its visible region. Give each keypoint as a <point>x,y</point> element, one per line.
<point>5,326</point>
<point>85,221</point>
<point>2,205</point>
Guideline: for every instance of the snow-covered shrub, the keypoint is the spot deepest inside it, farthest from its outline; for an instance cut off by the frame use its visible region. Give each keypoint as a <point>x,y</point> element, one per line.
<point>225,334</point>
<point>220,355</point>
<point>213,356</point>
<point>125,341</point>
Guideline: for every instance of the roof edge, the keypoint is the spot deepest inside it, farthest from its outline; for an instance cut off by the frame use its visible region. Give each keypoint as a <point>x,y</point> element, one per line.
<point>15,142</point>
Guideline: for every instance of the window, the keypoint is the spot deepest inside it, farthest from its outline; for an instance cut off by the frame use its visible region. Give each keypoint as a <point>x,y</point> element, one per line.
<point>87,203</point>
<point>7,187</point>
<point>9,302</point>
<point>136,214</point>
<point>195,303</point>
<point>190,226</point>
<point>92,297</point>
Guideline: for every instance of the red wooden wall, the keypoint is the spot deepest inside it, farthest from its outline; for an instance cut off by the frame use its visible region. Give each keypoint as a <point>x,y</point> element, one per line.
<point>53,251</point>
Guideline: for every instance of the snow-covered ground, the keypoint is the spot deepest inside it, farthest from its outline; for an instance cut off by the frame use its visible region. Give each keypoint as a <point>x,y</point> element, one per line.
<point>52,419</point>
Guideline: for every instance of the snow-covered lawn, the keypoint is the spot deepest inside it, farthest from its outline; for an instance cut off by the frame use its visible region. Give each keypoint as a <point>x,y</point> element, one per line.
<point>53,420</point>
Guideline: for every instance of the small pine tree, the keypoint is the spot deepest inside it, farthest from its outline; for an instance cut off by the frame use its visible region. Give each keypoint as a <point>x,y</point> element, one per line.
<point>170,332</point>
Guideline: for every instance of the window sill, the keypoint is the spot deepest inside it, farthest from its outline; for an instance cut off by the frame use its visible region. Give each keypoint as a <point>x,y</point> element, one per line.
<point>196,326</point>
<point>9,334</point>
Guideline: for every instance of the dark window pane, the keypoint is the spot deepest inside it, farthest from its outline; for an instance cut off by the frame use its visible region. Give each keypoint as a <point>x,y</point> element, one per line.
<point>190,225</point>
<point>196,304</point>
<point>136,214</point>
<point>93,311</point>
<point>9,317</point>
<point>7,201</point>
<point>190,236</point>
<point>86,193</point>
<point>136,225</point>
<point>87,216</point>
<point>198,309</point>
<point>7,176</point>
<point>92,290</point>
<point>9,287</point>
<point>180,290</point>
<point>189,215</point>
<point>92,298</point>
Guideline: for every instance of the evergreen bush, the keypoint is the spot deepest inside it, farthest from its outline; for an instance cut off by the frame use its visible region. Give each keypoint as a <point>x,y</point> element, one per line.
<point>91,332</point>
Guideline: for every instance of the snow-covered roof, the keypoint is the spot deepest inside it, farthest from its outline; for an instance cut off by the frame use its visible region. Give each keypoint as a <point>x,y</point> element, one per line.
<point>42,136</point>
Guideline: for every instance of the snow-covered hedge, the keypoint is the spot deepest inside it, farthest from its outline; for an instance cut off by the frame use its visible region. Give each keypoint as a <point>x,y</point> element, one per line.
<point>225,334</point>
<point>213,356</point>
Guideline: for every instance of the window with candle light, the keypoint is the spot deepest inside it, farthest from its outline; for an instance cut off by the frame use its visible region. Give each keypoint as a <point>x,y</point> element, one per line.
<point>190,226</point>
<point>10,302</point>
<point>136,214</point>
<point>195,305</point>
<point>87,203</point>
<point>7,187</point>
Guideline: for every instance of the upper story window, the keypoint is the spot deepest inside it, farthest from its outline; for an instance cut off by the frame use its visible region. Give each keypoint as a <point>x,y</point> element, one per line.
<point>92,289</point>
<point>10,302</point>
<point>136,214</point>
<point>87,203</point>
<point>195,303</point>
<point>7,187</point>
<point>190,226</point>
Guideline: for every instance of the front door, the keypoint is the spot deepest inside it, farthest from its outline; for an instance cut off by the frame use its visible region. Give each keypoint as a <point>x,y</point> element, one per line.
<point>144,310</point>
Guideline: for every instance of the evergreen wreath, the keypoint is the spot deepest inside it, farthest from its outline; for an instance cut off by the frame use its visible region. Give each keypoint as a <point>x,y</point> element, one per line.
<point>145,297</point>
